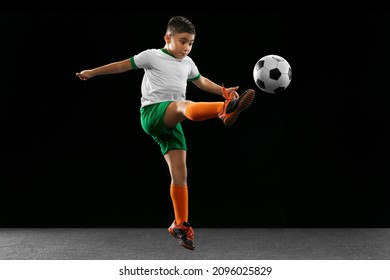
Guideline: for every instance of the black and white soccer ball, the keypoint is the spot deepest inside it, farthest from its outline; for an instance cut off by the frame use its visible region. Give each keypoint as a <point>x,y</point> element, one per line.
<point>272,73</point>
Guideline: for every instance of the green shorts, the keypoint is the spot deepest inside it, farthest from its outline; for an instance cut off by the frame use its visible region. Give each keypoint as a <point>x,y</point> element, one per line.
<point>152,121</point>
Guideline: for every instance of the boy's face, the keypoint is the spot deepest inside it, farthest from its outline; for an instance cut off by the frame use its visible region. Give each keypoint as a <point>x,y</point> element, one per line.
<point>179,45</point>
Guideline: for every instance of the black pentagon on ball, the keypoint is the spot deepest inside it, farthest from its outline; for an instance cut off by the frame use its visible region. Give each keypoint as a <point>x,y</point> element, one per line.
<point>279,89</point>
<point>278,59</point>
<point>289,73</point>
<point>260,83</point>
<point>259,64</point>
<point>275,74</point>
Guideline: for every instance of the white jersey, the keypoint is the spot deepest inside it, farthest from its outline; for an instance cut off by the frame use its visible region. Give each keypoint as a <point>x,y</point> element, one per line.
<point>165,77</point>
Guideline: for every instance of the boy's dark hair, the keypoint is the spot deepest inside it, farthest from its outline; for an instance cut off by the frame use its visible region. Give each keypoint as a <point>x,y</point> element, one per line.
<point>180,24</point>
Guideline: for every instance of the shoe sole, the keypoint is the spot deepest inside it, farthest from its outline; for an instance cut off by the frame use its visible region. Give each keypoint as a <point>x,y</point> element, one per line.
<point>243,104</point>
<point>181,243</point>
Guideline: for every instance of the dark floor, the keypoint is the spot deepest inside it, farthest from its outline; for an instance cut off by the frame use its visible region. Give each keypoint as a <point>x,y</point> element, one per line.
<point>211,244</point>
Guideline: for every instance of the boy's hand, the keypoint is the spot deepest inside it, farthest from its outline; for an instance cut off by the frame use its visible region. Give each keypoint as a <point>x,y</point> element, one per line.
<point>85,75</point>
<point>230,93</point>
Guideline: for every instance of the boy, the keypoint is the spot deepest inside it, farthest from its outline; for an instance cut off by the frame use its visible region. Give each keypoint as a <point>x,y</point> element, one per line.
<point>164,106</point>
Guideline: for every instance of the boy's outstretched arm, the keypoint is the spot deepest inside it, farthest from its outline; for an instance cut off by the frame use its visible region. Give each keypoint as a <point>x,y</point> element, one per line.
<point>111,68</point>
<point>207,85</point>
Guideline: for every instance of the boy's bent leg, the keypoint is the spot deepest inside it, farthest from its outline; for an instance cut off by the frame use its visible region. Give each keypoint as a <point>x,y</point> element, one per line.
<point>200,111</point>
<point>233,107</point>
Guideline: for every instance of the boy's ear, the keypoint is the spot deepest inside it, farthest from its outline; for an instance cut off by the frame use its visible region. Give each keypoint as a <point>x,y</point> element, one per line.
<point>167,38</point>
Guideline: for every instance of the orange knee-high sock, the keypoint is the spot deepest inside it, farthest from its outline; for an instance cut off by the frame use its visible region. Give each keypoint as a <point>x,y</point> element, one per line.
<point>199,111</point>
<point>179,196</point>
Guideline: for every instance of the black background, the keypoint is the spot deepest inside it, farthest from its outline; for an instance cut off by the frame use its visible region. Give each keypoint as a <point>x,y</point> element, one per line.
<point>73,153</point>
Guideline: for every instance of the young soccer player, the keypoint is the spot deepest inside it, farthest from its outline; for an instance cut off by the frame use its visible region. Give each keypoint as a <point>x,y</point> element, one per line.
<point>164,106</point>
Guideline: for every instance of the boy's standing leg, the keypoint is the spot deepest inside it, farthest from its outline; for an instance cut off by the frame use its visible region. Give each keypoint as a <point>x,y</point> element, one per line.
<point>180,228</point>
